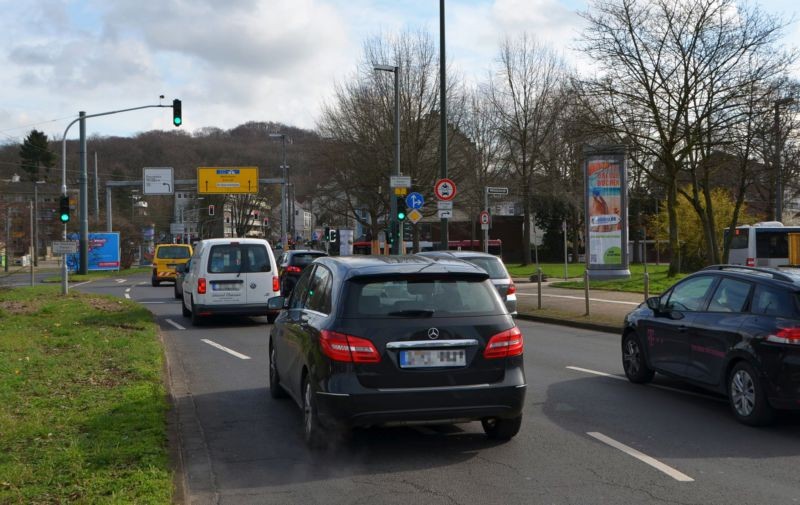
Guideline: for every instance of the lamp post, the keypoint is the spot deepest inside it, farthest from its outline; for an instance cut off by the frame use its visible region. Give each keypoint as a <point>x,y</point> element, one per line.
<point>35,258</point>
<point>393,224</point>
<point>284,209</point>
<point>777,157</point>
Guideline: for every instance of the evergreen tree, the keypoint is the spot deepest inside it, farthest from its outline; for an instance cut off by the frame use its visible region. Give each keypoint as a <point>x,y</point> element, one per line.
<point>35,153</point>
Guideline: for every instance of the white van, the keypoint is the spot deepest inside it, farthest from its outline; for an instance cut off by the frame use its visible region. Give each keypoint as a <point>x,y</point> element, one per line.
<point>230,276</point>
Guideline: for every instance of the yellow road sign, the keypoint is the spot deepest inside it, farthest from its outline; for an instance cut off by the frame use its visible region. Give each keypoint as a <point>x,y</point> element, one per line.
<point>400,191</point>
<point>227,180</point>
<point>414,216</point>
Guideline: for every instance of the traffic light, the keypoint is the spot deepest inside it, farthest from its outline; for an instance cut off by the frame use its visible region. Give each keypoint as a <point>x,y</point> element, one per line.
<point>401,209</point>
<point>210,210</point>
<point>334,235</point>
<point>177,116</point>
<point>327,234</point>
<point>63,209</point>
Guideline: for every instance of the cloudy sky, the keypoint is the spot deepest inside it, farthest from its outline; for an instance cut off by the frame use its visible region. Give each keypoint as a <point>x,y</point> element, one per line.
<point>233,61</point>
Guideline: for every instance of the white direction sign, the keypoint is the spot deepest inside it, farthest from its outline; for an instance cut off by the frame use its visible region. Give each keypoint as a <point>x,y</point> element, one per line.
<point>65,247</point>
<point>158,181</point>
<point>399,181</point>
<point>496,190</point>
<point>176,228</point>
<point>444,205</point>
<point>445,214</point>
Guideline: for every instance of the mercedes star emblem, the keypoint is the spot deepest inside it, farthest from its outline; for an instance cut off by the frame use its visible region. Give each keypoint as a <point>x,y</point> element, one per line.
<point>433,333</point>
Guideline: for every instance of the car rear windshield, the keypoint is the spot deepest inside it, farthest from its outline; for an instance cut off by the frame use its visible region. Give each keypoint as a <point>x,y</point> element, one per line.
<point>304,259</point>
<point>740,238</point>
<point>173,252</point>
<point>236,258</point>
<point>368,297</point>
<point>493,266</point>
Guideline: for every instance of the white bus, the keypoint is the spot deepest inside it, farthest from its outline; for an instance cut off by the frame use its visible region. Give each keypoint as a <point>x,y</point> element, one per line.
<point>763,244</point>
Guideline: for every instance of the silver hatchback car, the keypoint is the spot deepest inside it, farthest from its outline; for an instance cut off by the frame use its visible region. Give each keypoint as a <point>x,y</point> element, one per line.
<point>494,267</point>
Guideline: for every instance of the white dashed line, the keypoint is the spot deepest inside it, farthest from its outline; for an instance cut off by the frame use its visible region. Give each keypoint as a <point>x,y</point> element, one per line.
<point>595,372</point>
<point>581,298</point>
<point>173,323</point>
<point>79,284</point>
<point>151,303</point>
<point>644,458</point>
<point>128,296</point>
<point>223,348</point>
<point>120,281</point>
<point>656,386</point>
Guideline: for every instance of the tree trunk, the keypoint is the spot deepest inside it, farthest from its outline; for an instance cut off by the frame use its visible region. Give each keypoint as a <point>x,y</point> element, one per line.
<point>526,224</point>
<point>674,247</point>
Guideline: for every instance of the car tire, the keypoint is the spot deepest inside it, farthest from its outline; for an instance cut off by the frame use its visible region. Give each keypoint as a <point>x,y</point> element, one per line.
<point>747,397</point>
<point>633,362</point>
<point>315,435</point>
<point>271,318</point>
<point>275,390</point>
<point>184,310</point>
<point>154,282</point>
<point>501,429</point>
<point>178,296</point>
<point>196,320</point>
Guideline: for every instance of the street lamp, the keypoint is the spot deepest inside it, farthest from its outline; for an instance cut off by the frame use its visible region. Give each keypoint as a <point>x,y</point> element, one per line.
<point>36,247</point>
<point>284,209</point>
<point>777,157</point>
<point>394,227</point>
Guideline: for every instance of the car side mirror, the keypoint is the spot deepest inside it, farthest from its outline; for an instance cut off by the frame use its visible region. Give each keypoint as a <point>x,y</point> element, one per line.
<point>654,303</point>
<point>276,303</point>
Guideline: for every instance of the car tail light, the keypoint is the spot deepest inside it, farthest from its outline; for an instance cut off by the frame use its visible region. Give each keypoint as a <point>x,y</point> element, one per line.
<point>751,262</point>
<point>504,345</point>
<point>341,347</point>
<point>511,289</point>
<point>276,284</point>
<point>293,269</point>
<point>785,336</point>
<point>201,286</point>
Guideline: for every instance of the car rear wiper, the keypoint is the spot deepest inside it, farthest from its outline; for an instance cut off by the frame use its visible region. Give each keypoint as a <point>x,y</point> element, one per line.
<point>412,313</point>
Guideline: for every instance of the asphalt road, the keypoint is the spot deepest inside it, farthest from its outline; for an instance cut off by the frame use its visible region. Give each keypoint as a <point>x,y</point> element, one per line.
<point>586,437</point>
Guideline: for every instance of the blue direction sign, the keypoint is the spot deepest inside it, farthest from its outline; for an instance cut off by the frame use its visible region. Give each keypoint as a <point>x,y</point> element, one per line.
<point>414,201</point>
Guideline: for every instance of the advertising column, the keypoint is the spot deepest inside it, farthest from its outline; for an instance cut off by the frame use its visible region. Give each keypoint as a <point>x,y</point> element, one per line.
<point>606,211</point>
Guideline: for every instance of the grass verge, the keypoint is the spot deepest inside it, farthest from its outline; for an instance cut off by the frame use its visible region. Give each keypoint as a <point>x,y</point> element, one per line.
<point>105,274</point>
<point>659,282</point>
<point>82,403</point>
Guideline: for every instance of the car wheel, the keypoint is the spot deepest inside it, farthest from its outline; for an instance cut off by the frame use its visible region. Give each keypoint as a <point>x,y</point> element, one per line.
<point>196,320</point>
<point>633,362</point>
<point>154,282</point>
<point>315,434</point>
<point>271,318</point>
<point>501,429</point>
<point>184,310</point>
<point>175,291</point>
<point>275,389</point>
<point>747,397</point>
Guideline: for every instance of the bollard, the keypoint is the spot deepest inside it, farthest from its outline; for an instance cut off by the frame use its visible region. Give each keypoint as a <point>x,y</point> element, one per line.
<point>646,286</point>
<point>539,287</point>
<point>586,289</point>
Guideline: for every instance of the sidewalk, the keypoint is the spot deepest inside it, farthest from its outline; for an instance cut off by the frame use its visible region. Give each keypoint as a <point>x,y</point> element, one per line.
<point>607,309</point>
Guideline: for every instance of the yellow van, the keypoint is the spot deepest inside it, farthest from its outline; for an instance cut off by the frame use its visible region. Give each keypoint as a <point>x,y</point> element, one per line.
<point>166,259</point>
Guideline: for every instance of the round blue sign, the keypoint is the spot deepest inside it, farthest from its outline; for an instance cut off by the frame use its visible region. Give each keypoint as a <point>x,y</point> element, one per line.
<point>414,201</point>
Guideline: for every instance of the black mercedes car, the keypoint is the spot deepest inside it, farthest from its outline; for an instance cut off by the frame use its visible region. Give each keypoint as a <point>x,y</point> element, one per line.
<point>377,340</point>
<point>731,329</point>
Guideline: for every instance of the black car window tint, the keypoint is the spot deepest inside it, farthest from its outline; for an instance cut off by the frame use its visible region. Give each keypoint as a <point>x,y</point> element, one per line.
<point>690,294</point>
<point>317,299</point>
<point>257,259</point>
<point>730,296</point>
<point>172,252</point>
<point>303,259</point>
<point>493,266</point>
<point>299,292</point>
<point>773,302</point>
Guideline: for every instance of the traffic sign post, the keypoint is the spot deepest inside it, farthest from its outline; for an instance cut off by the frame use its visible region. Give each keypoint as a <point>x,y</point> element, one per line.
<point>485,219</point>
<point>445,189</point>
<point>415,201</point>
<point>399,181</point>
<point>227,180</point>
<point>60,247</point>
<point>158,181</point>
<point>414,216</point>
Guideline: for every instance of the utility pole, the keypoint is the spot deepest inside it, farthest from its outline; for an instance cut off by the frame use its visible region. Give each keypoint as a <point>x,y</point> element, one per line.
<point>777,157</point>
<point>35,233</point>
<point>445,235</point>
<point>33,280</point>
<point>96,191</point>
<point>83,204</point>
<point>8,236</point>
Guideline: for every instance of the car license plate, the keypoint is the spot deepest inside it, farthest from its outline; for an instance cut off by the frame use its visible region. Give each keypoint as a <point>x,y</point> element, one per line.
<point>430,358</point>
<point>227,286</point>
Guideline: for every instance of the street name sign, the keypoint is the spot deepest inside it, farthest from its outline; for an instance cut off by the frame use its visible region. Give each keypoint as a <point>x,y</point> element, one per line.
<point>65,247</point>
<point>444,205</point>
<point>496,190</point>
<point>227,180</point>
<point>158,181</point>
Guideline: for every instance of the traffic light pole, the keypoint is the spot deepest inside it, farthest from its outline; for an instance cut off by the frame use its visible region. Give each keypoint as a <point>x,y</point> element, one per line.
<point>84,239</point>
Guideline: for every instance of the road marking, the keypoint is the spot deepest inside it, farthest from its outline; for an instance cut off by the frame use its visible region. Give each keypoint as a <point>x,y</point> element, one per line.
<point>120,281</point>
<point>581,298</point>
<point>152,302</point>
<point>128,296</point>
<point>644,458</point>
<point>595,372</point>
<point>128,290</point>
<point>79,284</point>
<point>657,386</point>
<point>173,323</point>
<point>223,348</point>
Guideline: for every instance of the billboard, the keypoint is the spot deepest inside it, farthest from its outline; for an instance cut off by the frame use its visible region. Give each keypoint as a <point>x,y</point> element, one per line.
<point>606,208</point>
<point>104,252</point>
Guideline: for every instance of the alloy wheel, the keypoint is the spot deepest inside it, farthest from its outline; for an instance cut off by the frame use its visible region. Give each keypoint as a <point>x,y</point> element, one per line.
<point>632,356</point>
<point>743,393</point>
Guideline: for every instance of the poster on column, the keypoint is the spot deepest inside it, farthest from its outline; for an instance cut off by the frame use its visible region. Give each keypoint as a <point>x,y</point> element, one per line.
<point>606,210</point>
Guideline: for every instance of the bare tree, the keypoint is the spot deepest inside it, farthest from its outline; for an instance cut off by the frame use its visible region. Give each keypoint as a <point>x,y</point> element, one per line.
<point>524,92</point>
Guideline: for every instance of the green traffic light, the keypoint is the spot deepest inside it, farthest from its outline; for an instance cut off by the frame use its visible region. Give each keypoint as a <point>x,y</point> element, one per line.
<point>401,215</point>
<point>64,218</point>
<point>177,121</point>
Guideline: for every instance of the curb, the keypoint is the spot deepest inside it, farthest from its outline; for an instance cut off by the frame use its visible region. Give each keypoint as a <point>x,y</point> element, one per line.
<point>607,328</point>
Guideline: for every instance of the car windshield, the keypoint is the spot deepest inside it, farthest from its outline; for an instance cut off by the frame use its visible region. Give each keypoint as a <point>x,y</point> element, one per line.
<point>397,297</point>
<point>173,252</point>
<point>304,259</point>
<point>493,266</point>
